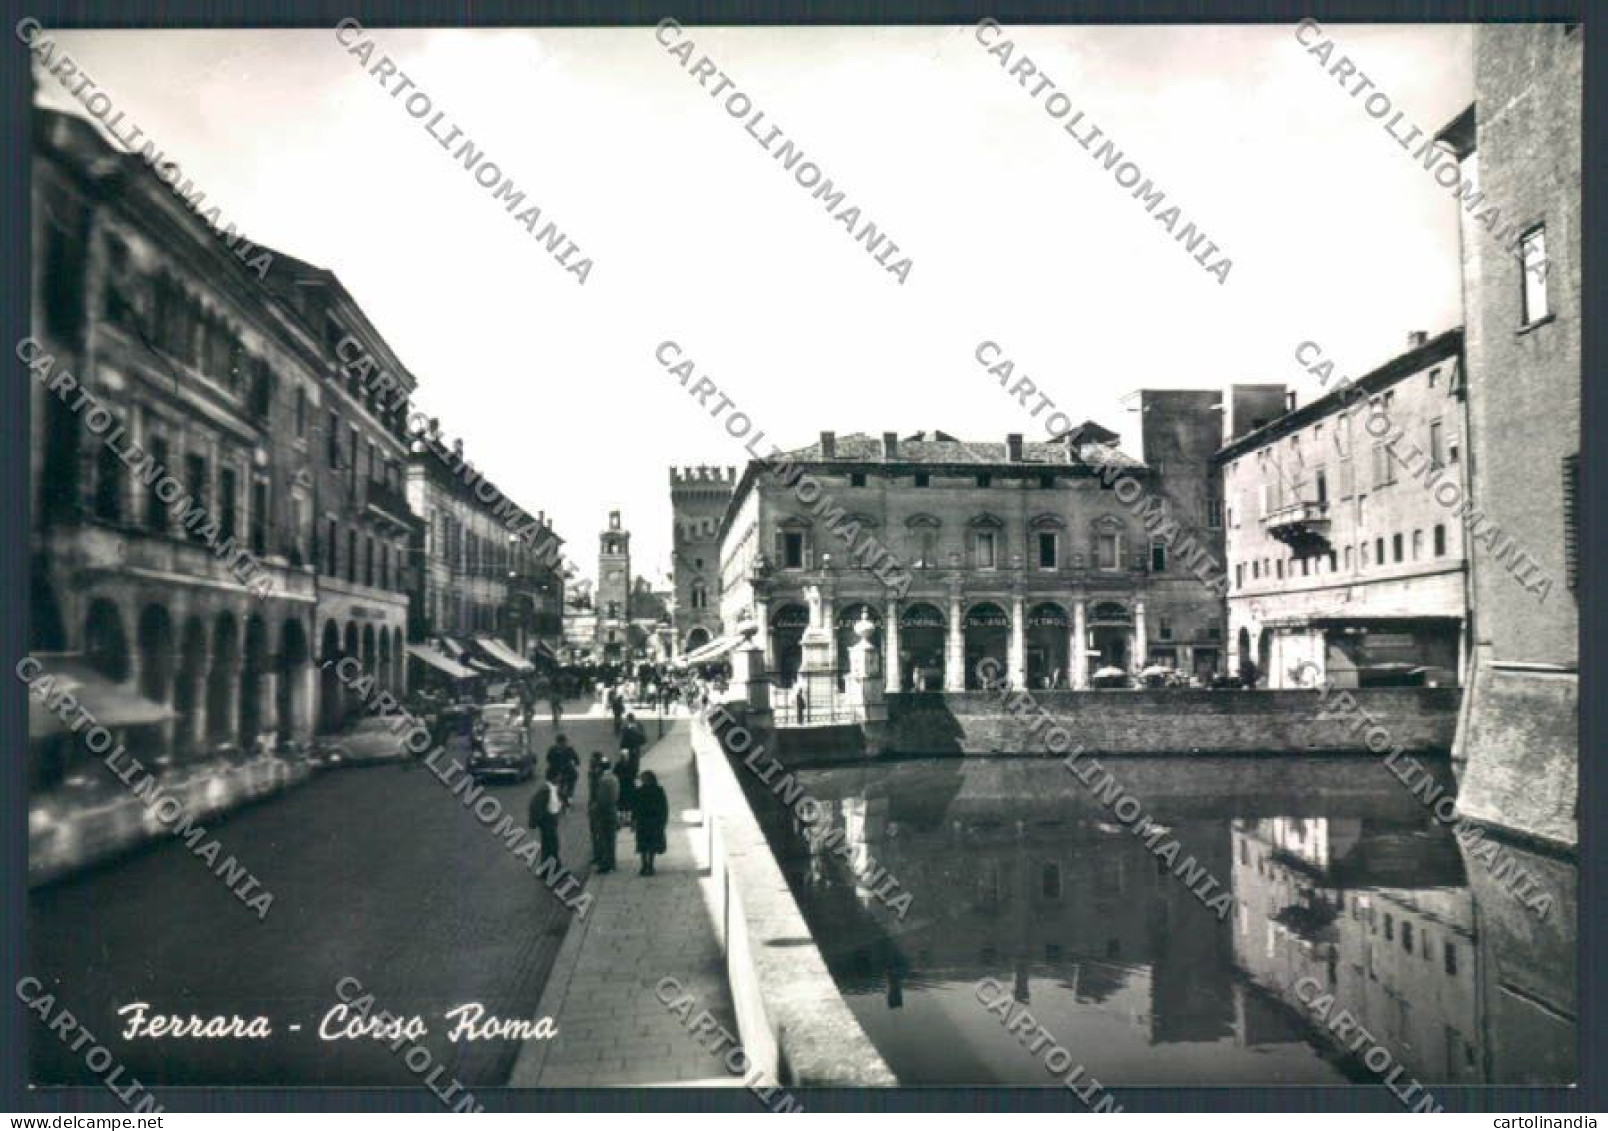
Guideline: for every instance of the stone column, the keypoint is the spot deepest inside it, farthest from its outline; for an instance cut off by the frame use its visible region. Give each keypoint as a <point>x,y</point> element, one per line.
<point>228,728</point>
<point>1078,677</point>
<point>890,646</point>
<point>1016,661</point>
<point>1141,642</point>
<point>269,721</point>
<point>955,645</point>
<point>305,706</point>
<point>762,635</point>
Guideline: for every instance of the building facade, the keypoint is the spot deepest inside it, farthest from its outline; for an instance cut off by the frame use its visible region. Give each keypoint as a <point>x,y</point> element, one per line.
<point>1519,148</point>
<point>1346,563</point>
<point>613,600</point>
<point>698,499</point>
<point>355,440</point>
<point>171,525</point>
<point>1039,556</point>
<point>486,566</point>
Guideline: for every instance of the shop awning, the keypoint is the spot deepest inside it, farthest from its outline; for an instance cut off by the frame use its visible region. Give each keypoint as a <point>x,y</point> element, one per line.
<point>715,649</point>
<point>503,654</point>
<point>442,663</point>
<point>109,704</point>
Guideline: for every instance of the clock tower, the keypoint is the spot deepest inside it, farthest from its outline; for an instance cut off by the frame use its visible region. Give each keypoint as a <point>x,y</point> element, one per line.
<point>613,600</point>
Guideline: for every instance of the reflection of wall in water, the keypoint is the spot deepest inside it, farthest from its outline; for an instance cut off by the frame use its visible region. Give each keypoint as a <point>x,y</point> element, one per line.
<point>991,895</point>
<point>1400,959</point>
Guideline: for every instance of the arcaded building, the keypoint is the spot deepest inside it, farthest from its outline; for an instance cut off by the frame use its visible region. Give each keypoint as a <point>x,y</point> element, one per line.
<point>1045,557</point>
<point>142,517</point>
<point>1519,149</point>
<point>1345,546</point>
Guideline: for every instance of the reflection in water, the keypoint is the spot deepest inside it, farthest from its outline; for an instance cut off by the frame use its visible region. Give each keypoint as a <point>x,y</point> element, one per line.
<point>1337,875</point>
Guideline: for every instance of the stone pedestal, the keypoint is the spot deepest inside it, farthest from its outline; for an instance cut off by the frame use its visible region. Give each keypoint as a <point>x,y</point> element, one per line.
<point>750,681</point>
<point>864,688</point>
<point>1079,675</point>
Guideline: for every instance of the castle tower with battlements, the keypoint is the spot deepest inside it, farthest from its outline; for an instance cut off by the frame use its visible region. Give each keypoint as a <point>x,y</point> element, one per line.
<point>698,499</point>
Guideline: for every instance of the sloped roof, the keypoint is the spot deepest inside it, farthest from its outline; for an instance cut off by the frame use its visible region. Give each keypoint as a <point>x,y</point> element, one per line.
<point>862,448</point>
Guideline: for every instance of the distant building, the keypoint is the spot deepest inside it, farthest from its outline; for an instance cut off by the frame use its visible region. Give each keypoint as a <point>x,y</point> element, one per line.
<point>1345,564</point>
<point>1053,559</point>
<point>698,500</point>
<point>613,600</point>
<point>1519,147</point>
<point>487,567</point>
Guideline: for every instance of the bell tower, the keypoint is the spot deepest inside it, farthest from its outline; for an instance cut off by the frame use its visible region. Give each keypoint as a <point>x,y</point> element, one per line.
<point>613,600</point>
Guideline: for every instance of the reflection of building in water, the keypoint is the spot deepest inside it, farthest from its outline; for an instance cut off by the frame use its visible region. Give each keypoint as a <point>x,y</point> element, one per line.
<point>1079,903</point>
<point>1332,900</point>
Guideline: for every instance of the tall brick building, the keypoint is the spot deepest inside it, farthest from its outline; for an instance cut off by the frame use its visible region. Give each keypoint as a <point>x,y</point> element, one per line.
<point>613,602</point>
<point>1519,147</point>
<point>698,499</point>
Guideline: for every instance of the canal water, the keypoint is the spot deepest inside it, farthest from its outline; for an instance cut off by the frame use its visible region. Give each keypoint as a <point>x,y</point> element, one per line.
<point>1023,883</point>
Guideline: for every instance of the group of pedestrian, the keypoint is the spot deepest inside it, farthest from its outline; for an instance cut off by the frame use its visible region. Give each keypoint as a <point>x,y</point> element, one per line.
<point>621,792</point>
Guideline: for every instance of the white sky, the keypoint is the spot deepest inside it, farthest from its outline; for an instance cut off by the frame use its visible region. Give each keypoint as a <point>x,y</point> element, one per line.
<point>1016,234</point>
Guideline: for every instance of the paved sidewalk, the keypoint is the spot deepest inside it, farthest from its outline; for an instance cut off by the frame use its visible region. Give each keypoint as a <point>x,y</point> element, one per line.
<point>612,1029</point>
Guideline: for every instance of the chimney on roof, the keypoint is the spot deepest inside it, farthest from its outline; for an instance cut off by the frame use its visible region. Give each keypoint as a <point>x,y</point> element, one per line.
<point>1013,447</point>
<point>829,445</point>
<point>1289,401</point>
<point>890,445</point>
<point>1416,338</point>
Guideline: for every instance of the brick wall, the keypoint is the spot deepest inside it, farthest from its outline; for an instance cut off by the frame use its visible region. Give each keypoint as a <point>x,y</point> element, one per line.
<point>1170,722</point>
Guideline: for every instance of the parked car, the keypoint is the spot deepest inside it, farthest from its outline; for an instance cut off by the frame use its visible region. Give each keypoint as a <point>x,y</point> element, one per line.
<point>495,715</point>
<point>370,742</point>
<point>502,752</point>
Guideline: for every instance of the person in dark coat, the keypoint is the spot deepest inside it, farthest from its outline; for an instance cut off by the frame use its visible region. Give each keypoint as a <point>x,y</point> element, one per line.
<point>625,769</point>
<point>651,809</point>
<point>616,707</point>
<point>545,806</point>
<point>633,738</point>
<point>603,810</point>
<point>562,760</point>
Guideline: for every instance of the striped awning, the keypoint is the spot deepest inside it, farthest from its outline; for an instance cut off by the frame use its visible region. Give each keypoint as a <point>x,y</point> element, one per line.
<point>442,663</point>
<point>503,654</point>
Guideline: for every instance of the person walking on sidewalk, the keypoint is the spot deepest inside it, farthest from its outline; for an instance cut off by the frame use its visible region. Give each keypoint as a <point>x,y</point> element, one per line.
<point>616,707</point>
<point>632,739</point>
<point>563,761</point>
<point>545,806</point>
<point>652,813</point>
<point>603,809</point>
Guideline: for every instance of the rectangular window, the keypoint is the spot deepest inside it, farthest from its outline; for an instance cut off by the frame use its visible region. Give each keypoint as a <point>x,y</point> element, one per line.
<point>1239,576</point>
<point>1166,628</point>
<point>1418,545</point>
<point>985,549</point>
<point>1449,959</point>
<point>1158,557</point>
<point>195,478</point>
<point>1406,936</point>
<point>857,479</point>
<point>1256,570</point>
<point>1437,445</point>
<point>156,512</point>
<point>259,517</point>
<point>1046,551</point>
<point>332,441</point>
<point>351,556</point>
<point>1348,558</point>
<point>368,561</point>
<point>351,477</point>
<point>1108,551</point>
<point>332,539</point>
<point>1395,547</point>
<point>1320,483</point>
<point>1214,514</point>
<point>227,501</point>
<point>1440,541</point>
<point>1533,257</point>
<point>985,481</point>
<point>792,549</point>
<point>301,413</point>
<point>1333,563</point>
<point>1379,551</point>
<point>1279,565</point>
<point>921,479</point>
